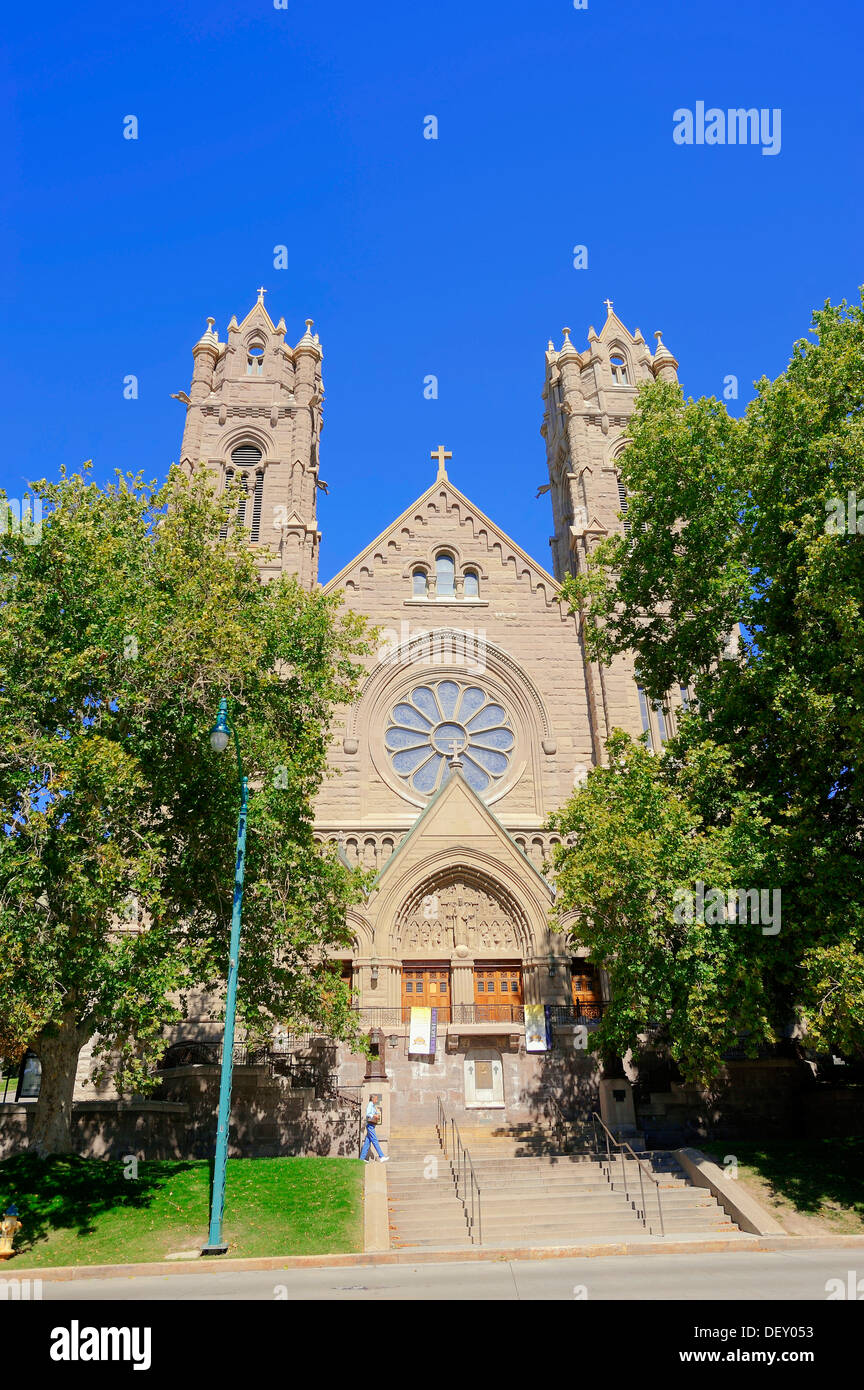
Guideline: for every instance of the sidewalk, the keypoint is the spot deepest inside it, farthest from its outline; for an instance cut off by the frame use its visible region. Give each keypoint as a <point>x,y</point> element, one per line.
<point>647,1245</point>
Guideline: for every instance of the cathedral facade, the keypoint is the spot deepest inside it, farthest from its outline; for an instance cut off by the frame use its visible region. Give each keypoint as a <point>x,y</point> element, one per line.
<point>478,713</point>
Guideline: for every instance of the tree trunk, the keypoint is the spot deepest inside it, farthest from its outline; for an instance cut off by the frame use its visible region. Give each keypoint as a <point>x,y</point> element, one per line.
<point>58,1050</point>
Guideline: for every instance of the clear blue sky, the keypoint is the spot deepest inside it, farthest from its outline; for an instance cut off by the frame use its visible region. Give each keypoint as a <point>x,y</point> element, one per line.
<point>303,126</point>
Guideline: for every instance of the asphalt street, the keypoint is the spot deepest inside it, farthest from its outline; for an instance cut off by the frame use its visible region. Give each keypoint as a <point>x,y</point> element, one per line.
<point>756,1275</point>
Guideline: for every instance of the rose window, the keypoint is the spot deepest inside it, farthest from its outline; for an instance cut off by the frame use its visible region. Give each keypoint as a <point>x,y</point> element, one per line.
<point>435,721</point>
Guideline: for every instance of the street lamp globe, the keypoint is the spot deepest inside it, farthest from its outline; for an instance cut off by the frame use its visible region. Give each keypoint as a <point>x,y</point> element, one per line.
<point>220,734</point>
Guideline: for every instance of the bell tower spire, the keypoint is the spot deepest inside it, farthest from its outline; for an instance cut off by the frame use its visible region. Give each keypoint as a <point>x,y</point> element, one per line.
<point>254,416</point>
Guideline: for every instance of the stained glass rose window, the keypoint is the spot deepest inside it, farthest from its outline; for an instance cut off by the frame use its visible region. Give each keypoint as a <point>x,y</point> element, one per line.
<point>433,721</point>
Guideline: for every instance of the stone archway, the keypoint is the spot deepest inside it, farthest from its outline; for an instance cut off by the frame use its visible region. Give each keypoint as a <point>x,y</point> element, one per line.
<point>460,911</point>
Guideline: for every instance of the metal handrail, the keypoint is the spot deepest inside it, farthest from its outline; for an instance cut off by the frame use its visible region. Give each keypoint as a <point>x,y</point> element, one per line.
<point>560,1121</point>
<point>641,1212</point>
<point>461,1171</point>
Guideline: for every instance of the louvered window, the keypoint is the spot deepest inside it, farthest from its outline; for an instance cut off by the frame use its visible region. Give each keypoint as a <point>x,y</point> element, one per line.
<point>244,494</point>
<point>624,505</point>
<point>229,478</point>
<point>256,506</point>
<point>244,458</point>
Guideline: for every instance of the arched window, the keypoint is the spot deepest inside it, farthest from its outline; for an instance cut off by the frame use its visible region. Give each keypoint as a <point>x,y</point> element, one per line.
<point>445,571</point>
<point>619,369</point>
<point>472,584</point>
<point>420,582</point>
<point>255,359</point>
<point>243,460</point>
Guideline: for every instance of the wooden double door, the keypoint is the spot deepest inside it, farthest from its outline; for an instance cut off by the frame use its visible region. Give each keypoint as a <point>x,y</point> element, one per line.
<point>426,987</point>
<point>498,993</point>
<point>585,989</point>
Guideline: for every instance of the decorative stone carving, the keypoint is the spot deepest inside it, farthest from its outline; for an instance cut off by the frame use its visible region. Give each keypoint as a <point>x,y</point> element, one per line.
<point>459,917</point>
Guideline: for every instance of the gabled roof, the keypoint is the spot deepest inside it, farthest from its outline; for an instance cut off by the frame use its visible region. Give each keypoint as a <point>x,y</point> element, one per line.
<point>474,821</point>
<point>258,311</point>
<point>443,484</point>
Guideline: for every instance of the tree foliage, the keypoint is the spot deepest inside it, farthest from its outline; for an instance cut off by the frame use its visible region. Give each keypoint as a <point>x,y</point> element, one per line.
<point>733,530</point>
<point>121,629</point>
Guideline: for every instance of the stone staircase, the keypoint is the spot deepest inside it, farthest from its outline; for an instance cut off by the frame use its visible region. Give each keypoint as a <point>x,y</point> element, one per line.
<point>535,1198</point>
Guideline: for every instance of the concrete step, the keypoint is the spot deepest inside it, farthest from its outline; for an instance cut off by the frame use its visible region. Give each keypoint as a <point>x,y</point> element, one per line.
<point>545,1222</point>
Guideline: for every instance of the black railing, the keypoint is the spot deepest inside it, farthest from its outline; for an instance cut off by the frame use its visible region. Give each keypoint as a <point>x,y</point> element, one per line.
<point>380,1017</point>
<point>199,1053</point>
<point>305,1073</point>
<point>586,1013</point>
<point>488,1013</point>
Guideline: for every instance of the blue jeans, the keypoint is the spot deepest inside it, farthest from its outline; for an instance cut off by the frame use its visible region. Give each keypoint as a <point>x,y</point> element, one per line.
<point>371,1138</point>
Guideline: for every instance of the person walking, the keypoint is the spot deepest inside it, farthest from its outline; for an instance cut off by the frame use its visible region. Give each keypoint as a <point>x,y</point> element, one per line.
<point>373,1118</point>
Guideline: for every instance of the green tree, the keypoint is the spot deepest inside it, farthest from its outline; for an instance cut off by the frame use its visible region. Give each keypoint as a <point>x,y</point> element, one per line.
<point>734,529</point>
<point>686,975</point>
<point>122,625</point>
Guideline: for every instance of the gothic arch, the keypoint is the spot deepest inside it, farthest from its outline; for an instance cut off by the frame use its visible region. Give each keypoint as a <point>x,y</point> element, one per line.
<point>524,903</point>
<point>248,434</point>
<point>461,906</point>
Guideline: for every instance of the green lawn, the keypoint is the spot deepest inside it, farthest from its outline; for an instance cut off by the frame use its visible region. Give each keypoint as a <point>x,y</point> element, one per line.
<point>84,1211</point>
<point>809,1185</point>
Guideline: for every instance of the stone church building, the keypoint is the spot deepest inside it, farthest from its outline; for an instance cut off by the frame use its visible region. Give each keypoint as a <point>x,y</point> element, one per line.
<point>478,713</point>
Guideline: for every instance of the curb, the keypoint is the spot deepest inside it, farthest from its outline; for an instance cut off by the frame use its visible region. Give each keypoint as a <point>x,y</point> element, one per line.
<point>418,1256</point>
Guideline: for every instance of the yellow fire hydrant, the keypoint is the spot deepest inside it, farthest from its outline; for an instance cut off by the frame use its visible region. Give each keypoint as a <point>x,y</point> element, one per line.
<point>9,1228</point>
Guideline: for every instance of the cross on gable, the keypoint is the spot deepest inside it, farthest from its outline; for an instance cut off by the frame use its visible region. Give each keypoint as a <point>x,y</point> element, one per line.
<point>441,454</point>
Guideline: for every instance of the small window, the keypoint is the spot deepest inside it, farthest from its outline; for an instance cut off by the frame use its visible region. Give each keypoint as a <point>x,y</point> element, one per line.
<point>472,584</point>
<point>255,360</point>
<point>685,697</point>
<point>420,580</point>
<point>661,721</point>
<point>619,370</point>
<point>646,717</point>
<point>445,572</point>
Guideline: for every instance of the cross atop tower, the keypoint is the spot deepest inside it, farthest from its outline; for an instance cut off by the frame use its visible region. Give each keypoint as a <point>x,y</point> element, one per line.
<point>608,303</point>
<point>261,293</point>
<point>441,454</point>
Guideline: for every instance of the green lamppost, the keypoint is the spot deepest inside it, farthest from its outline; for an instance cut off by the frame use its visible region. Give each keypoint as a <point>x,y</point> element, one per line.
<point>220,737</point>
